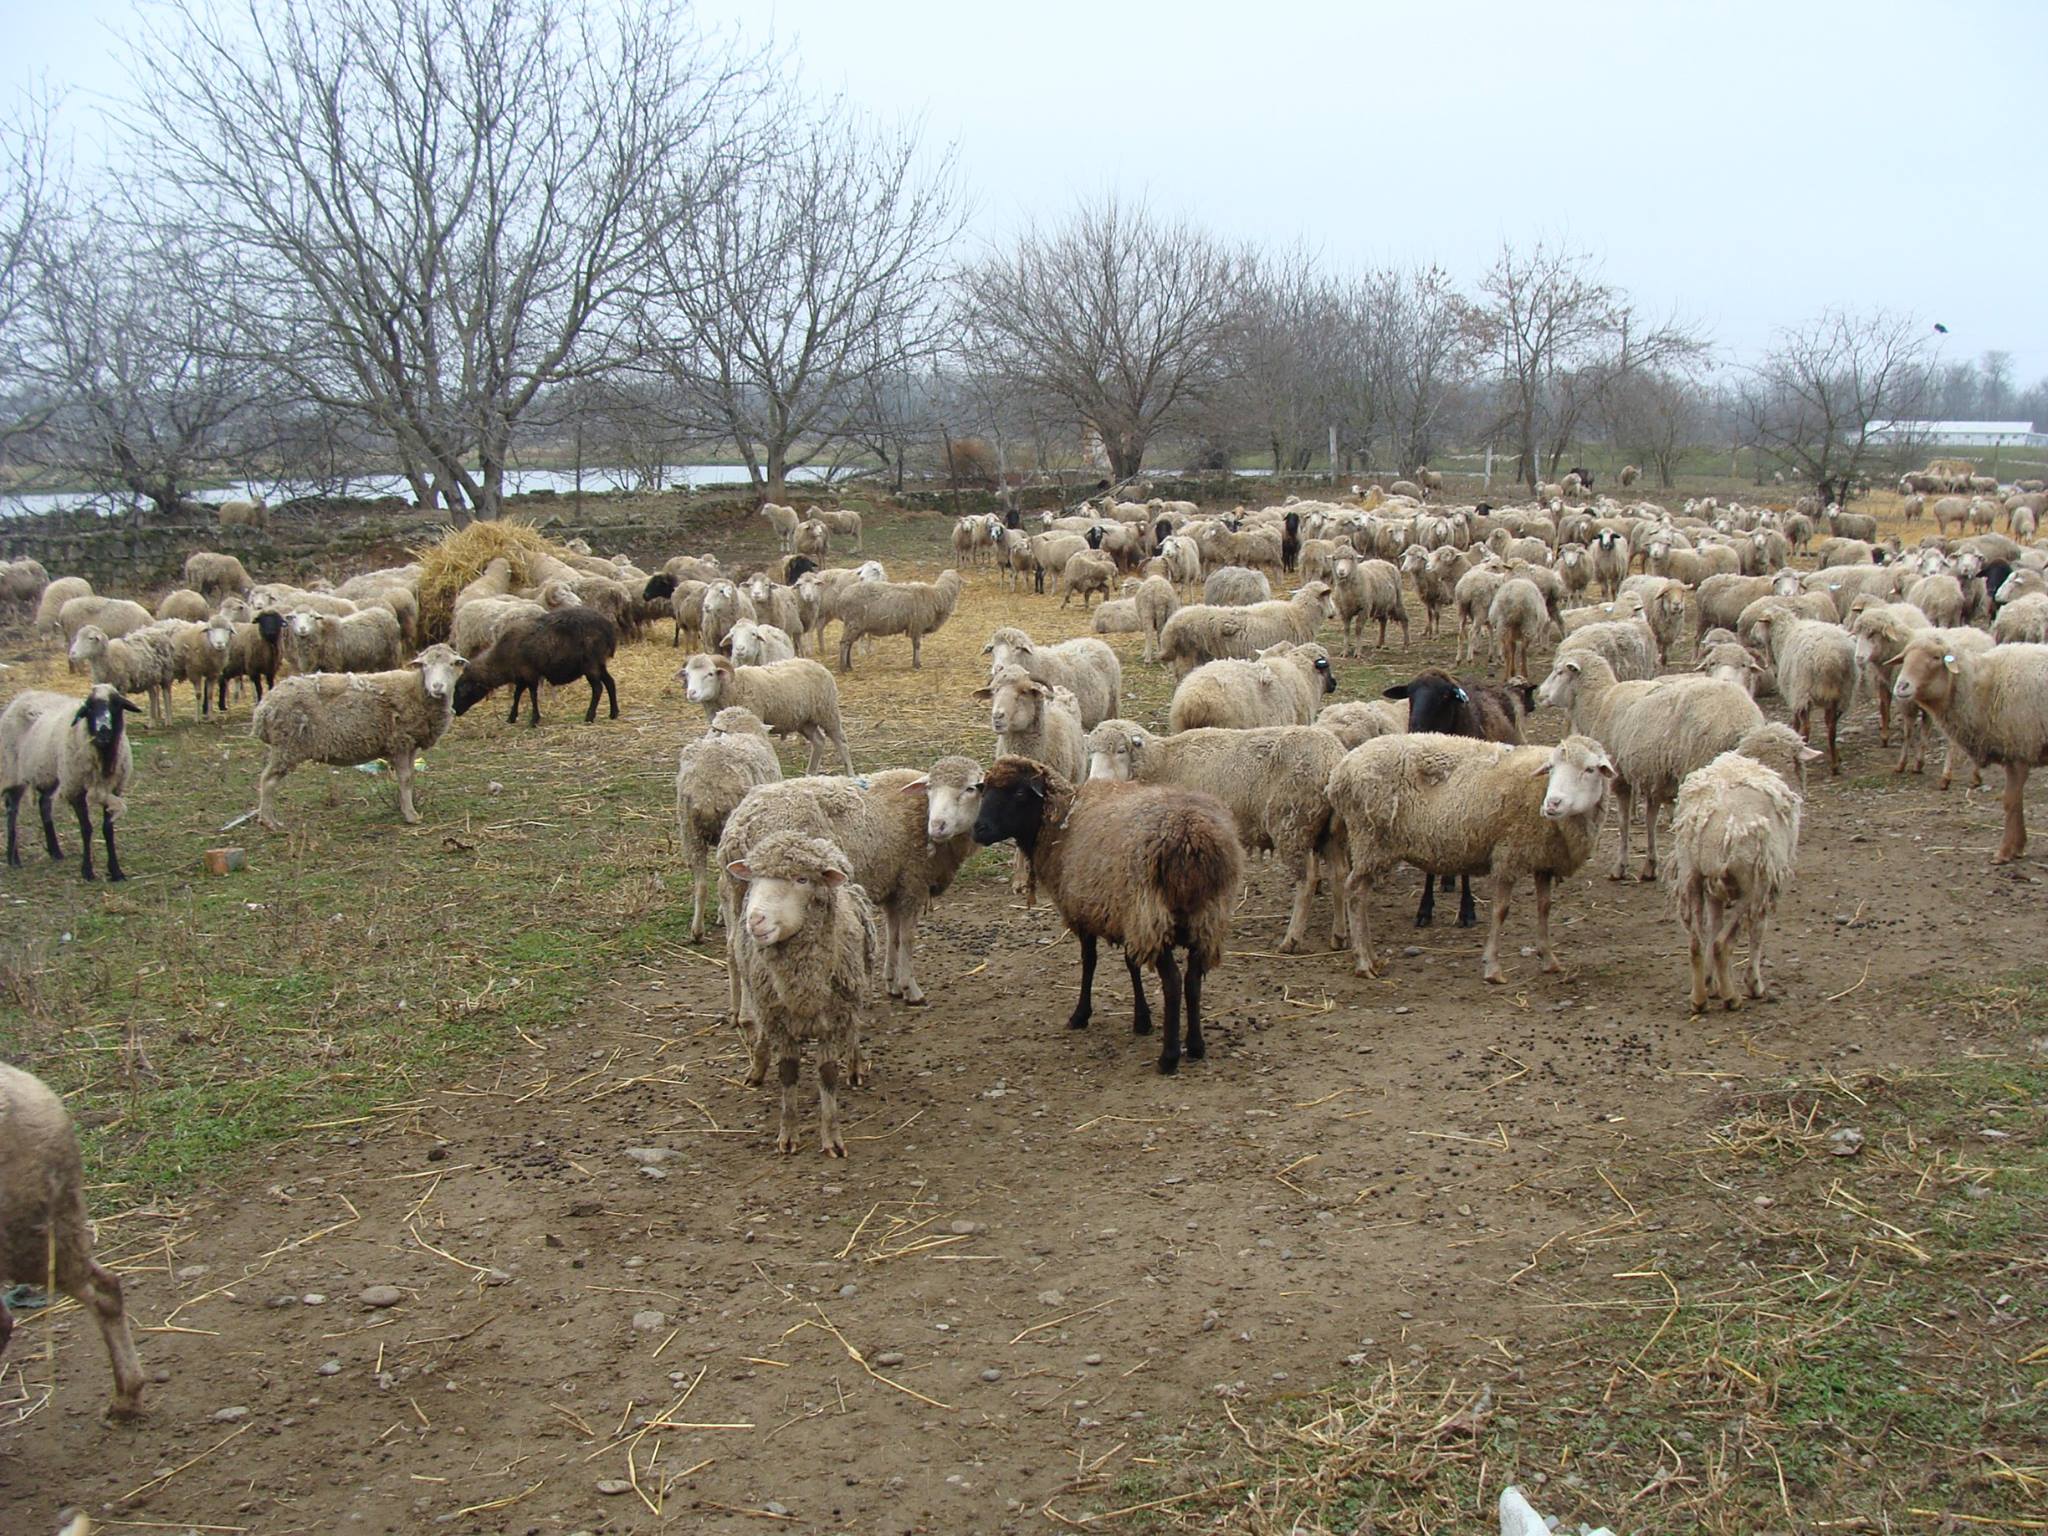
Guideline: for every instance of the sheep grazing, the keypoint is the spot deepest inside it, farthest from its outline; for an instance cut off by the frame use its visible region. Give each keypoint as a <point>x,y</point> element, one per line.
<point>70,750</point>
<point>806,946</point>
<point>1272,780</point>
<point>1088,667</point>
<point>1453,805</point>
<point>346,718</point>
<point>1282,685</point>
<point>1817,669</point>
<point>1203,632</point>
<point>242,512</point>
<point>1087,572</point>
<point>130,665</point>
<point>1143,609</point>
<point>1235,586</point>
<point>1365,592</point>
<point>215,576</point>
<point>1150,867</point>
<point>793,698</point>
<point>557,648</point>
<point>840,520</point>
<point>1994,706</point>
<point>913,608</point>
<point>1735,844</point>
<point>45,1235</point>
<point>51,604</point>
<point>184,603</point>
<point>23,583</point>
<point>713,776</point>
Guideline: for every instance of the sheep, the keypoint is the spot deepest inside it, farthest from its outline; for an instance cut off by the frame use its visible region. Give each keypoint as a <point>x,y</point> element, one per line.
<point>55,596</point>
<point>1722,599</point>
<point>807,947</point>
<point>713,776</point>
<point>784,521</point>
<point>1575,569</point>
<point>1731,661</point>
<point>23,583</point>
<point>913,608</point>
<point>793,698</point>
<point>1203,632</point>
<point>724,605</point>
<point>1359,720</point>
<point>114,617</point>
<point>1143,609</point>
<point>1994,706</point>
<point>254,651</point>
<point>843,521</point>
<point>131,665</point>
<point>1282,685</point>
<point>1454,805</point>
<point>813,539</point>
<point>75,751</point>
<point>1473,594</point>
<point>1817,669</point>
<point>298,600</point>
<point>45,1235</point>
<point>1629,646</point>
<point>1086,572</point>
<point>1881,631</point>
<point>1610,559</point>
<point>1236,586</point>
<point>756,645</point>
<point>216,576</point>
<point>363,642</point>
<point>970,537</point>
<point>1367,591</point>
<point>1655,732</point>
<point>1150,867</point>
<point>1663,609</point>
<point>1271,778</point>
<point>1051,552</point>
<point>2022,621</point>
<point>242,512</point>
<point>1436,573</point>
<point>1735,844</point>
<point>346,718</point>
<point>1119,615</point>
<point>1517,617</point>
<point>1086,666</point>
<point>479,622</point>
<point>558,647</point>
<point>1629,475</point>
<point>1182,562</point>
<point>184,603</point>
<point>1940,597</point>
<point>1035,719</point>
<point>1851,525</point>
<point>201,656</point>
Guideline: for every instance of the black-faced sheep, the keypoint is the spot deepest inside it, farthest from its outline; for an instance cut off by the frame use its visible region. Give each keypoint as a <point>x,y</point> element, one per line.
<point>72,750</point>
<point>557,648</point>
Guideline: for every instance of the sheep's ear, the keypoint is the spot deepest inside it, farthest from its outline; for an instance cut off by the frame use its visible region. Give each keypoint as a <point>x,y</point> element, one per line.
<point>83,710</point>
<point>832,878</point>
<point>739,871</point>
<point>1810,754</point>
<point>916,786</point>
<point>1398,691</point>
<point>984,693</point>
<point>1543,768</point>
<point>122,701</point>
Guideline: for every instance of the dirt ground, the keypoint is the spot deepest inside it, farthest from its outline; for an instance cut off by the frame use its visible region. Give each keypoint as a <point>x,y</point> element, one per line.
<point>616,1309</point>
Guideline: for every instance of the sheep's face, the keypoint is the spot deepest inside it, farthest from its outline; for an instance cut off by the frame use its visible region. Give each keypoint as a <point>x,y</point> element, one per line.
<point>1579,774</point>
<point>778,905</point>
<point>1925,678</point>
<point>1014,809</point>
<point>439,669</point>
<point>701,679</point>
<point>101,714</point>
<point>1013,703</point>
<point>871,570</point>
<point>89,642</point>
<point>219,633</point>
<point>1562,686</point>
<point>304,625</point>
<point>1113,754</point>
<point>951,810</point>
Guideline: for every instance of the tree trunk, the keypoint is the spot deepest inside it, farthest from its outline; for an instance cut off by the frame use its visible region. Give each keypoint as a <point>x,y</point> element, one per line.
<point>778,471</point>
<point>1126,454</point>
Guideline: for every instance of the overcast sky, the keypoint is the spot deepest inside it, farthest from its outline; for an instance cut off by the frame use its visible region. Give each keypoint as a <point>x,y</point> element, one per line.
<point>1745,165</point>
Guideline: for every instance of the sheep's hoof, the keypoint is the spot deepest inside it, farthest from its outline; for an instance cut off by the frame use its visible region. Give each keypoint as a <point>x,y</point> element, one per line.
<point>1290,946</point>
<point>913,997</point>
<point>125,1410</point>
<point>1468,919</point>
<point>1496,977</point>
<point>1168,1065</point>
<point>1365,968</point>
<point>833,1149</point>
<point>1423,919</point>
<point>1078,1019</point>
<point>1141,1024</point>
<point>785,1144</point>
<point>1197,1048</point>
<point>755,1079</point>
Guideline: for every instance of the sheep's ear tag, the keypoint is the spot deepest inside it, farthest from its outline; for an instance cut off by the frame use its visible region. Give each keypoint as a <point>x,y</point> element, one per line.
<point>1463,697</point>
<point>1949,661</point>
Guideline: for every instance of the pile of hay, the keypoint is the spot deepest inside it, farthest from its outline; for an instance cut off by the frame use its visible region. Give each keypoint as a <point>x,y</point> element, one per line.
<point>459,557</point>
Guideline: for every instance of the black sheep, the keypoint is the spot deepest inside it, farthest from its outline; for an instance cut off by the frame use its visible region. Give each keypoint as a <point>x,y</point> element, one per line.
<point>557,648</point>
<point>261,663</point>
<point>1290,544</point>
<point>795,566</point>
<point>1441,705</point>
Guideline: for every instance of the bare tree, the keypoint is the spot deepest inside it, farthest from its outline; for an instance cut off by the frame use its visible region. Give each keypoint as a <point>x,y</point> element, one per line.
<point>773,309</point>
<point>1127,320</point>
<point>1294,343</point>
<point>1653,416</point>
<point>1815,398</point>
<point>1425,352</point>
<point>426,210</point>
<point>32,209</point>
<point>1560,338</point>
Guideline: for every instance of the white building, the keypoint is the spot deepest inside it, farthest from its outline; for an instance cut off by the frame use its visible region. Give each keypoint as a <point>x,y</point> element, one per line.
<point>1960,434</point>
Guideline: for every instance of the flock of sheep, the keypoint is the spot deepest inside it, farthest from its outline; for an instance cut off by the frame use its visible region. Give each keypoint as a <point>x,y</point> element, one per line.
<point>1135,837</point>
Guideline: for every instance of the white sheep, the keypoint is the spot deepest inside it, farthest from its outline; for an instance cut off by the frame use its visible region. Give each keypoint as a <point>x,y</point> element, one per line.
<point>1204,632</point>
<point>1365,592</point>
<point>912,608</point>
<point>713,776</point>
<point>756,645</point>
<point>70,750</point>
<point>1817,669</point>
<point>1356,721</point>
<point>1236,586</point>
<point>131,665</point>
<point>1994,706</point>
<point>2022,621</point>
<point>1518,619</point>
<point>843,521</point>
<point>1035,719</point>
<point>784,521</point>
<point>1087,572</point>
<point>793,698</point>
<point>1282,685</point>
<point>346,718</point>
<point>1453,805</point>
<point>367,641</point>
<point>1086,666</point>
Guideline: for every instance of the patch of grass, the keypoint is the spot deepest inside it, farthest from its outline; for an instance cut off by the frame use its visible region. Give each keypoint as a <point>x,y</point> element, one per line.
<point>1862,1349</point>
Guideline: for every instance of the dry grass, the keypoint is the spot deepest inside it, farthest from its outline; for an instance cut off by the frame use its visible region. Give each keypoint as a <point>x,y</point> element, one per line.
<point>460,555</point>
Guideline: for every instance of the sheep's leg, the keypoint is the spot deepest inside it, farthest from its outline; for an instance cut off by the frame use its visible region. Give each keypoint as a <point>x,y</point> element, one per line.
<point>1884,713</point>
<point>917,640</point>
<point>1802,722</point>
<point>906,948</point>
<point>98,1290</point>
<point>1169,989</point>
<point>1625,804</point>
<point>829,1140</point>
<point>114,870</point>
<point>1468,915</point>
<point>787,1066</point>
<point>1725,917</point>
<point>45,800</point>
<point>266,794</point>
<point>1197,1046</point>
<point>1078,1019</point>
<point>1020,872</point>
<point>1304,898</point>
<point>845,651</point>
<point>532,702</point>
<point>1834,717</point>
<point>2014,843</point>
<point>1544,884</point>
<point>1333,855</point>
<point>815,737</point>
<point>14,794</point>
<point>401,770</point>
<point>1489,960</point>
<point>1696,955</point>
<point>596,688</point>
<point>700,869</point>
<point>1141,1010</point>
<point>1755,925</point>
<point>1650,807</point>
<point>1402,620</point>
<point>1357,890</point>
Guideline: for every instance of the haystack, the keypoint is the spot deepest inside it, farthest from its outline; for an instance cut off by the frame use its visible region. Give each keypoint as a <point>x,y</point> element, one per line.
<point>459,557</point>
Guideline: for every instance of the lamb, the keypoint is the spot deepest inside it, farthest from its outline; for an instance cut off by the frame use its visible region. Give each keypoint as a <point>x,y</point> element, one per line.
<point>1235,586</point>
<point>363,642</point>
<point>130,665</point>
<point>254,651</point>
<point>216,576</point>
<point>1282,685</point>
<point>558,647</point>
<point>1150,867</point>
<point>756,645</point>
<point>1035,719</point>
<point>1994,706</point>
<point>1517,616</point>
<point>806,947</point>
<point>1735,844</point>
<point>1088,667</point>
<point>713,776</point>
<point>184,603</point>
<point>1458,806</point>
<point>913,608</point>
<point>1816,666</point>
<point>75,751</point>
<point>793,698</point>
<point>1202,632</point>
<point>1087,571</point>
<point>1367,591</point>
<point>905,835</point>
<point>1361,720</point>
<point>346,718</point>
<point>784,521</point>
<point>1272,780</point>
<point>1655,733</point>
<point>45,1235</point>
